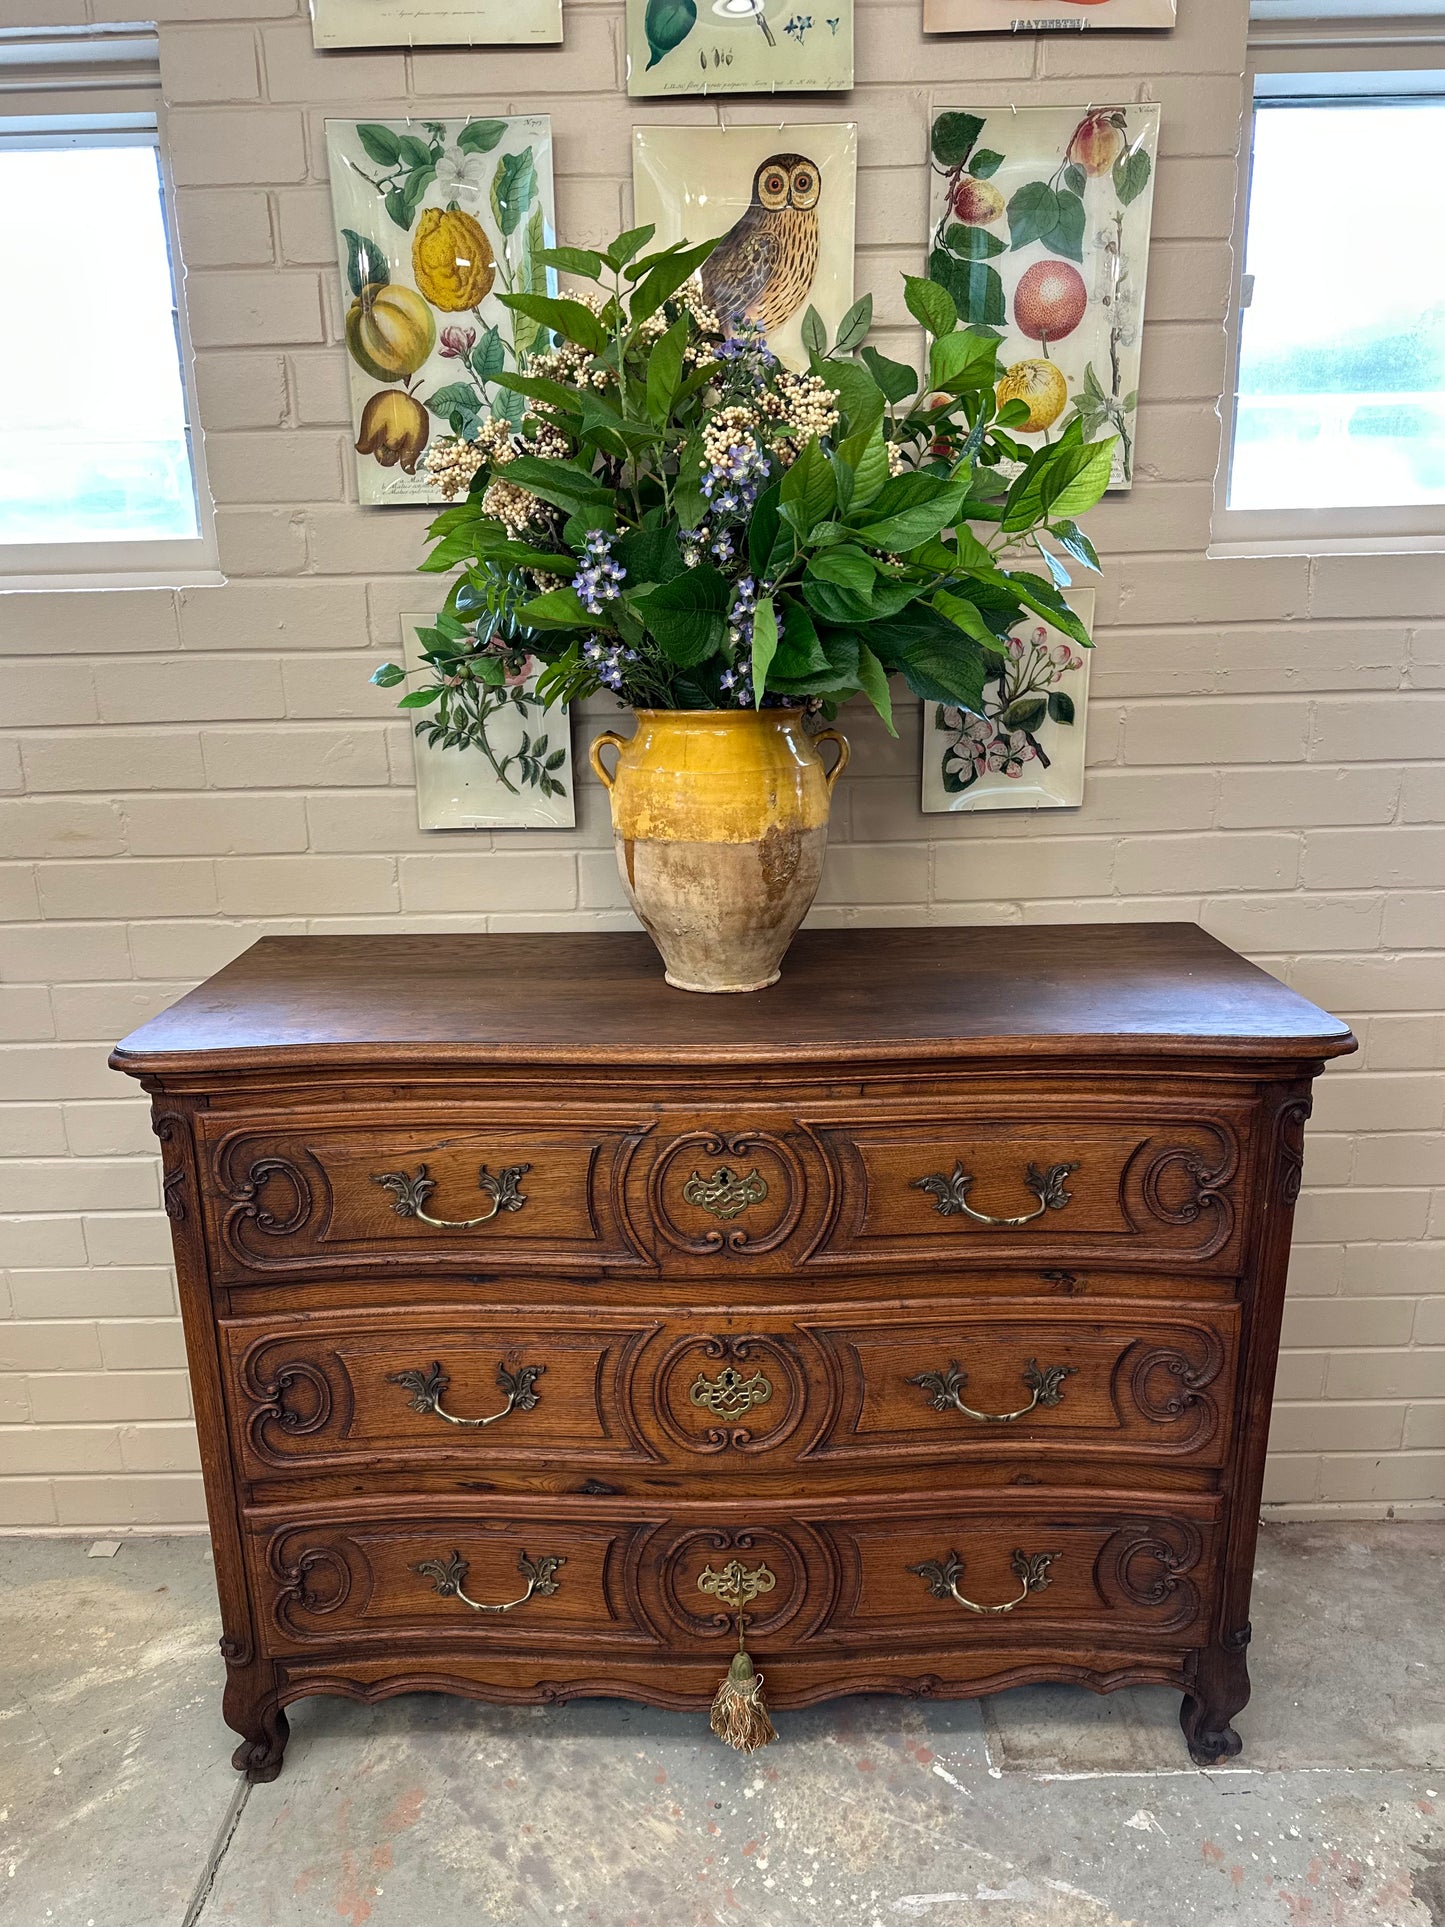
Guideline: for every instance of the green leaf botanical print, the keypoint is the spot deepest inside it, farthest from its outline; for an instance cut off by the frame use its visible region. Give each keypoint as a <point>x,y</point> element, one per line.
<point>1131,174</point>
<point>481,136</point>
<point>366,264</point>
<point>379,144</point>
<point>514,189</point>
<point>954,136</point>
<point>667,24</point>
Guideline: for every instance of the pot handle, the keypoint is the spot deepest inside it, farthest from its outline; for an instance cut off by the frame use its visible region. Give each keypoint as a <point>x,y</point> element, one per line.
<point>844,752</point>
<point>609,739</point>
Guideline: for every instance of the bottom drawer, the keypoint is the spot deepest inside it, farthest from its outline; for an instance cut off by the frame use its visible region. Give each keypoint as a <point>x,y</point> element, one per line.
<point>854,1575</point>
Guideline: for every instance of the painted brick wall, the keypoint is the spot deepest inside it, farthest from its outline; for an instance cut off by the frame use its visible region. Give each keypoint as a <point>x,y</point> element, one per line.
<point>181,773</point>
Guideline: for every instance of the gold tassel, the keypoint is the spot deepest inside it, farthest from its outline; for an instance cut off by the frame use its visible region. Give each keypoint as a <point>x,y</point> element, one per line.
<point>739,1714</point>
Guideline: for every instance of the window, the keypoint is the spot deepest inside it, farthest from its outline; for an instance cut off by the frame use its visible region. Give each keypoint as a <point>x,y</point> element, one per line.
<point>101,481</point>
<point>1336,434</point>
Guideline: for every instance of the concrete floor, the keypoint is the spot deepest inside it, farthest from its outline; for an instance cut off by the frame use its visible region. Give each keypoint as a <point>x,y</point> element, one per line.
<point>1043,1807</point>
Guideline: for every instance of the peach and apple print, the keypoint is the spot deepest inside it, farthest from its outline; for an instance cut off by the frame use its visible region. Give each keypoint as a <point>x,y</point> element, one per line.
<point>1041,235</point>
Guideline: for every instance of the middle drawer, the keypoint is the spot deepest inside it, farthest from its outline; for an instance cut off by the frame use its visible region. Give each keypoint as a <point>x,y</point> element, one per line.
<point>862,1388</point>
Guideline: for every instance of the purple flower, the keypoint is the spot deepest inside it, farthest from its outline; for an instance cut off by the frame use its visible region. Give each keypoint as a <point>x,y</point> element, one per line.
<point>457,343</point>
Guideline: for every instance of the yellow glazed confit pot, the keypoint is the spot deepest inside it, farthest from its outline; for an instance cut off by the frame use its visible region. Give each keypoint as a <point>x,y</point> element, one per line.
<point>720,817</point>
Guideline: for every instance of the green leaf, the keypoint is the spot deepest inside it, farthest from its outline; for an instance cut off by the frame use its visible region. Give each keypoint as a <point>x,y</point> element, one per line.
<point>909,509</point>
<point>973,243</point>
<point>557,609</point>
<point>860,399</point>
<point>799,652</point>
<point>661,282</point>
<point>809,491</point>
<point>1075,179</point>
<point>458,397</point>
<point>365,262</point>
<point>1059,482</point>
<point>873,678</point>
<point>975,288</point>
<point>664,370</point>
<point>650,553</point>
<point>867,456</point>
<point>964,362</point>
<point>1032,213</point>
<point>583,262</point>
<point>403,200</point>
<point>688,616</point>
<point>566,487</point>
<point>1072,538</point>
<point>930,304</point>
<point>770,543</point>
<point>667,23</point>
<point>379,143</point>
<point>1067,234</point>
<point>389,675</point>
<point>838,678</point>
<point>963,615</point>
<point>954,136</point>
<point>897,380</point>
<point>418,699</point>
<point>414,152</point>
<point>938,662</point>
<point>626,246</point>
<point>514,188</point>
<point>985,164</point>
<point>1013,414</point>
<point>848,566</point>
<point>815,335</point>
<point>1131,174</point>
<point>488,359</point>
<point>765,646</point>
<point>1061,706</point>
<point>570,318</point>
<point>481,136</point>
<point>853,328</point>
<point>1027,712</point>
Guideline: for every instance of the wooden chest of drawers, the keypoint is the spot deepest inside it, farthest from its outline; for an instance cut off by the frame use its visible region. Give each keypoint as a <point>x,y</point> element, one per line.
<point>942,1280</point>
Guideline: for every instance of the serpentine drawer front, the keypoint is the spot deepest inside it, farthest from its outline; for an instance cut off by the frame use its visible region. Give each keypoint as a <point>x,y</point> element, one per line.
<point>922,1309</point>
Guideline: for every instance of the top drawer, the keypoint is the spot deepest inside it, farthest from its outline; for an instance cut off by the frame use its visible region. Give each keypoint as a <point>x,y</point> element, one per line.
<point>442,1190</point>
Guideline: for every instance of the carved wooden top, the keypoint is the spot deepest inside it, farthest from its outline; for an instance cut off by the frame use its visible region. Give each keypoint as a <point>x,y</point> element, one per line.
<point>1040,991</point>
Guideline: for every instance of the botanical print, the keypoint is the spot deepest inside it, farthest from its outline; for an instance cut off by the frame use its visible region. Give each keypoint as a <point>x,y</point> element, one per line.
<point>1041,232</point>
<point>738,46</point>
<point>1024,750</point>
<point>497,761</point>
<point>783,200</point>
<point>435,219</point>
<point>434,23</point>
<point>1004,16</point>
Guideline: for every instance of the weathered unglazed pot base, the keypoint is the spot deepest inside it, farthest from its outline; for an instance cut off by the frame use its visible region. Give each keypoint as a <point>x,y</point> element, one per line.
<point>723,914</point>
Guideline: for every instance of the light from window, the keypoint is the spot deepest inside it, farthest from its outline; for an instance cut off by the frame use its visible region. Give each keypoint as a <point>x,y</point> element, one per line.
<point>1341,383</point>
<point>94,444</point>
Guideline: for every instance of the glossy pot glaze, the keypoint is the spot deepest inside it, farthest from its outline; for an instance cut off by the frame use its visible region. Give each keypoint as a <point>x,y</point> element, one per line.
<point>720,817</point>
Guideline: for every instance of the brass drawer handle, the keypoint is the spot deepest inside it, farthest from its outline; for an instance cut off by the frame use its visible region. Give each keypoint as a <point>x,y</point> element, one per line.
<point>951,1193</point>
<point>942,1577</point>
<point>1047,1387</point>
<point>450,1576</point>
<point>411,1194</point>
<point>428,1388</point>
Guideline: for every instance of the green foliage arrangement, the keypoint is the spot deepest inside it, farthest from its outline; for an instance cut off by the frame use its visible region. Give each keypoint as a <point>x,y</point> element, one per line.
<point>683,521</point>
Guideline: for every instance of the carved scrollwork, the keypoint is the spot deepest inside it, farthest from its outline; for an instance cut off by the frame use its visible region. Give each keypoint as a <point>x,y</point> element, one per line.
<point>1165,1382</point>
<point>169,1127</point>
<point>317,1582</point>
<point>1290,1121</point>
<point>1206,1183</point>
<point>249,1208</point>
<point>726,1194</point>
<point>778,1554</point>
<point>1146,1562</point>
<point>296,1421</point>
<point>236,1651</point>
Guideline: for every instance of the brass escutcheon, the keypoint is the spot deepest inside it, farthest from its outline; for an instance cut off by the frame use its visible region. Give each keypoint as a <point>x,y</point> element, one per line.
<point>729,1395</point>
<point>725,1194</point>
<point>737,1585</point>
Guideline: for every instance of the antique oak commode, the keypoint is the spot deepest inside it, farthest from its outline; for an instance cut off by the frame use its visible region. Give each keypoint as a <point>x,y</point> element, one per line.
<point>938,1287</point>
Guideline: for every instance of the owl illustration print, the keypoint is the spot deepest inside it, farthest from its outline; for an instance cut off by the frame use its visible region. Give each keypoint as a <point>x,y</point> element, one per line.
<point>762,269</point>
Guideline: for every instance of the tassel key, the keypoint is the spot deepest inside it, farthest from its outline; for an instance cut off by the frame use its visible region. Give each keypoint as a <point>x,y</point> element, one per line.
<point>739,1712</point>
